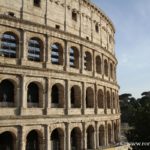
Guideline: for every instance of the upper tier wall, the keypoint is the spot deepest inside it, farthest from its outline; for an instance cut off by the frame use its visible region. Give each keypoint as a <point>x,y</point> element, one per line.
<point>89,22</point>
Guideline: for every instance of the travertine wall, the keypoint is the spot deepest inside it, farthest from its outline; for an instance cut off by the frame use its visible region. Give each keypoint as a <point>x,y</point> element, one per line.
<point>31,21</point>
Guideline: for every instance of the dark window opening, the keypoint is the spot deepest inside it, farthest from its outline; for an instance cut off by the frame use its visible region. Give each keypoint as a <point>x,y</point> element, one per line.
<point>100,99</point>
<point>33,95</point>
<point>108,100</point>
<point>74,15</point>
<point>101,136</point>
<point>106,68</point>
<point>55,94</point>
<point>12,14</point>
<point>6,141</point>
<point>89,98</point>
<point>9,45</point>
<point>87,38</point>
<point>32,141</point>
<point>88,61</point>
<point>90,137</point>
<point>97,28</point>
<point>76,139</point>
<point>6,93</point>
<point>37,3</point>
<point>57,27</point>
<point>57,139</point>
<point>98,65</point>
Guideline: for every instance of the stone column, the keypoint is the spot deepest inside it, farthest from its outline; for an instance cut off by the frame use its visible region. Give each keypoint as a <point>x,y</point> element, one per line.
<point>97,135</point>
<point>96,99</point>
<point>84,136</point>
<point>48,93</point>
<point>67,96</point>
<point>82,59</point>
<point>106,134</point>
<point>23,92</point>
<point>112,133</point>
<point>24,49</point>
<point>105,100</point>
<point>83,98</point>
<point>68,142</point>
<point>22,138</point>
<point>47,138</point>
<point>67,55</point>
<point>94,64</point>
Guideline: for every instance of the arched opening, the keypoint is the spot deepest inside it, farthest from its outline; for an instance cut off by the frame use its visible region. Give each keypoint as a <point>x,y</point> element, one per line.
<point>33,141</point>
<point>105,67</point>
<point>98,65</point>
<point>114,103</point>
<point>6,93</point>
<point>101,136</point>
<point>57,95</point>
<point>9,45</point>
<point>116,132</point>
<point>57,140</point>
<point>97,27</point>
<point>90,137</point>
<point>75,97</point>
<point>74,57</point>
<point>74,15</point>
<point>56,54</point>
<point>109,134</point>
<point>7,141</point>
<point>89,98</point>
<point>35,49</point>
<point>100,99</point>
<point>88,61</point>
<point>111,70</point>
<point>33,95</point>
<point>76,139</point>
<point>108,100</point>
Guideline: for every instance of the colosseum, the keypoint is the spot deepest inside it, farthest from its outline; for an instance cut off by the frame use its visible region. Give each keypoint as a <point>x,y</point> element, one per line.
<point>58,88</point>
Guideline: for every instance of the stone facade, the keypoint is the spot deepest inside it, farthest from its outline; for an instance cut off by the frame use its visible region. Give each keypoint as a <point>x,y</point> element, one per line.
<point>58,83</point>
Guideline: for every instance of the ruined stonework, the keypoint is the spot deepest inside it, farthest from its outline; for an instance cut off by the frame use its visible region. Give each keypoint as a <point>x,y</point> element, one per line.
<point>58,88</point>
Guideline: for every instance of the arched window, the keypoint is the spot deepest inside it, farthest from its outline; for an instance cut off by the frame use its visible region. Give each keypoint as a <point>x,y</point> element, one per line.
<point>74,57</point>
<point>89,98</point>
<point>98,65</point>
<point>56,54</point>
<point>57,96</point>
<point>6,93</point>
<point>57,139</point>
<point>101,136</point>
<point>7,141</point>
<point>97,27</point>
<point>111,70</point>
<point>100,98</point>
<point>33,95</point>
<point>90,137</point>
<point>35,50</point>
<point>105,67</point>
<point>75,96</point>
<point>33,141</point>
<point>74,15</point>
<point>88,61</point>
<point>109,134</point>
<point>114,102</point>
<point>75,139</point>
<point>108,100</point>
<point>9,45</point>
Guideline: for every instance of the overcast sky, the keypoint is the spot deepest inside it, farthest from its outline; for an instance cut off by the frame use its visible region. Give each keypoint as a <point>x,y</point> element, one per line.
<point>132,22</point>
